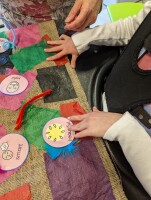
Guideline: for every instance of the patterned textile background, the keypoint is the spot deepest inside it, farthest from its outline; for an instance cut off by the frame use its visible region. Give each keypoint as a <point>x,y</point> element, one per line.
<point>46,178</point>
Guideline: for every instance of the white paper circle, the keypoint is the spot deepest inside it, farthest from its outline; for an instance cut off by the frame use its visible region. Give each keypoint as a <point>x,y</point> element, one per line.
<point>13,85</point>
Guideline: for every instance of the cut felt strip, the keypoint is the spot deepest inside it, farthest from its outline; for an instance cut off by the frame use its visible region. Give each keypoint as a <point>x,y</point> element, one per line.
<point>34,121</point>
<point>70,109</point>
<point>21,114</point>
<point>61,61</point>
<point>59,81</point>
<point>20,193</point>
<point>26,58</point>
<point>26,35</point>
<point>80,176</point>
<point>14,102</point>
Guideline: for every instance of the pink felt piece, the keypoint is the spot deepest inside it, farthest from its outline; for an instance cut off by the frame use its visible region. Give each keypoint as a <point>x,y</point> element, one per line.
<point>4,175</point>
<point>26,36</point>
<point>14,102</point>
<point>3,131</point>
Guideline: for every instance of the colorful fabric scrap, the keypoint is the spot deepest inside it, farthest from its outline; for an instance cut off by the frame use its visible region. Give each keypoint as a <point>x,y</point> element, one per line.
<point>25,59</point>
<point>81,176</point>
<point>21,193</point>
<point>14,102</point>
<point>59,81</point>
<point>34,121</point>
<point>3,131</point>
<point>26,36</point>
<point>70,109</point>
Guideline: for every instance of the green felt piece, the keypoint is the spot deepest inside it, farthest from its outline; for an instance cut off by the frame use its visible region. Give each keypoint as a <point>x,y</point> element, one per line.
<point>26,58</point>
<point>34,121</point>
<point>3,35</point>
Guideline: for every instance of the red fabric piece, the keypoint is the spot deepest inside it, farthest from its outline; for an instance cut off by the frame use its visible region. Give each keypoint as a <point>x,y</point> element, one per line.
<point>70,109</point>
<point>21,193</point>
<point>2,77</point>
<point>61,61</point>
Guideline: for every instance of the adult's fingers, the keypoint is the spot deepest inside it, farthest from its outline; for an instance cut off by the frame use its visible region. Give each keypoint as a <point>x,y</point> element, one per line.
<point>75,24</point>
<point>73,61</point>
<point>87,22</point>
<point>57,56</point>
<point>53,49</point>
<point>79,127</point>
<point>74,11</point>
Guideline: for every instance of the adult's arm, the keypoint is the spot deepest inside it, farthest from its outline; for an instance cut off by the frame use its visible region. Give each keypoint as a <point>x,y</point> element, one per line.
<point>111,34</point>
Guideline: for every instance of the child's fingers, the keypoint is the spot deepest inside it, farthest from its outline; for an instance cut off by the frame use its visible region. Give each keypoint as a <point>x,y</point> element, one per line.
<point>56,42</point>
<point>54,49</point>
<point>73,61</point>
<point>63,37</point>
<point>82,134</point>
<point>78,117</point>
<point>57,56</point>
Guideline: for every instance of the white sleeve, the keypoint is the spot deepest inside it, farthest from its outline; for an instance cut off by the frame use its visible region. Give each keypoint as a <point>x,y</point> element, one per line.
<point>111,34</point>
<point>136,145</point>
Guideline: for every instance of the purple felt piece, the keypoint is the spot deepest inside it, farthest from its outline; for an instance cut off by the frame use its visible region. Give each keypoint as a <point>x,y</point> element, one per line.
<point>26,36</point>
<point>79,177</point>
<point>14,102</point>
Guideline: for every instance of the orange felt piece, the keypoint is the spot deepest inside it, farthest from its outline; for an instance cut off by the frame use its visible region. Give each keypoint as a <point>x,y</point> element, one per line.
<point>21,193</point>
<point>70,109</point>
<point>61,61</point>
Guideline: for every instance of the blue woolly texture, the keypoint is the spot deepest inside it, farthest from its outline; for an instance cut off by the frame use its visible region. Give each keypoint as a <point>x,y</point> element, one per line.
<point>61,151</point>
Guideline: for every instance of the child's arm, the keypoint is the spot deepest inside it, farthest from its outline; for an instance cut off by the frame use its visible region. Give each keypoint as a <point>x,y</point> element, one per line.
<point>134,140</point>
<point>112,34</point>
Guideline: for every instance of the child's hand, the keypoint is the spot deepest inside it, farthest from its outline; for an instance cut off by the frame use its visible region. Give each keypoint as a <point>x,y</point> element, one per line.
<point>64,46</point>
<point>93,124</point>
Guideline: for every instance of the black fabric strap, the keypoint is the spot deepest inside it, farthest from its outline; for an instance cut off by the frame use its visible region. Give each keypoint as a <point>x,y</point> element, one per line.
<point>142,116</point>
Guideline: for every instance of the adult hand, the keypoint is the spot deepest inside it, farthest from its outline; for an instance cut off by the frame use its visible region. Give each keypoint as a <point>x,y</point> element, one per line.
<point>93,124</point>
<point>63,47</point>
<point>83,13</point>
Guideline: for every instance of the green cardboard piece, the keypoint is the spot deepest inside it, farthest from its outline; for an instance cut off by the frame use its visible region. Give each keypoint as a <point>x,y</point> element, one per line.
<point>123,10</point>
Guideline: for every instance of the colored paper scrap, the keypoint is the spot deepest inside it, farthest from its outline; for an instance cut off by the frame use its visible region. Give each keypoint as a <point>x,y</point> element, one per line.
<point>26,35</point>
<point>3,131</point>
<point>34,121</point>
<point>20,193</point>
<point>26,58</point>
<point>14,102</point>
<point>80,176</point>
<point>70,109</point>
<point>59,81</point>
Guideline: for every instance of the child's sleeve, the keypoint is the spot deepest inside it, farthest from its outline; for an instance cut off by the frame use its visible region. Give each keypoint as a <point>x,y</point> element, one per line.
<point>136,145</point>
<point>111,34</point>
